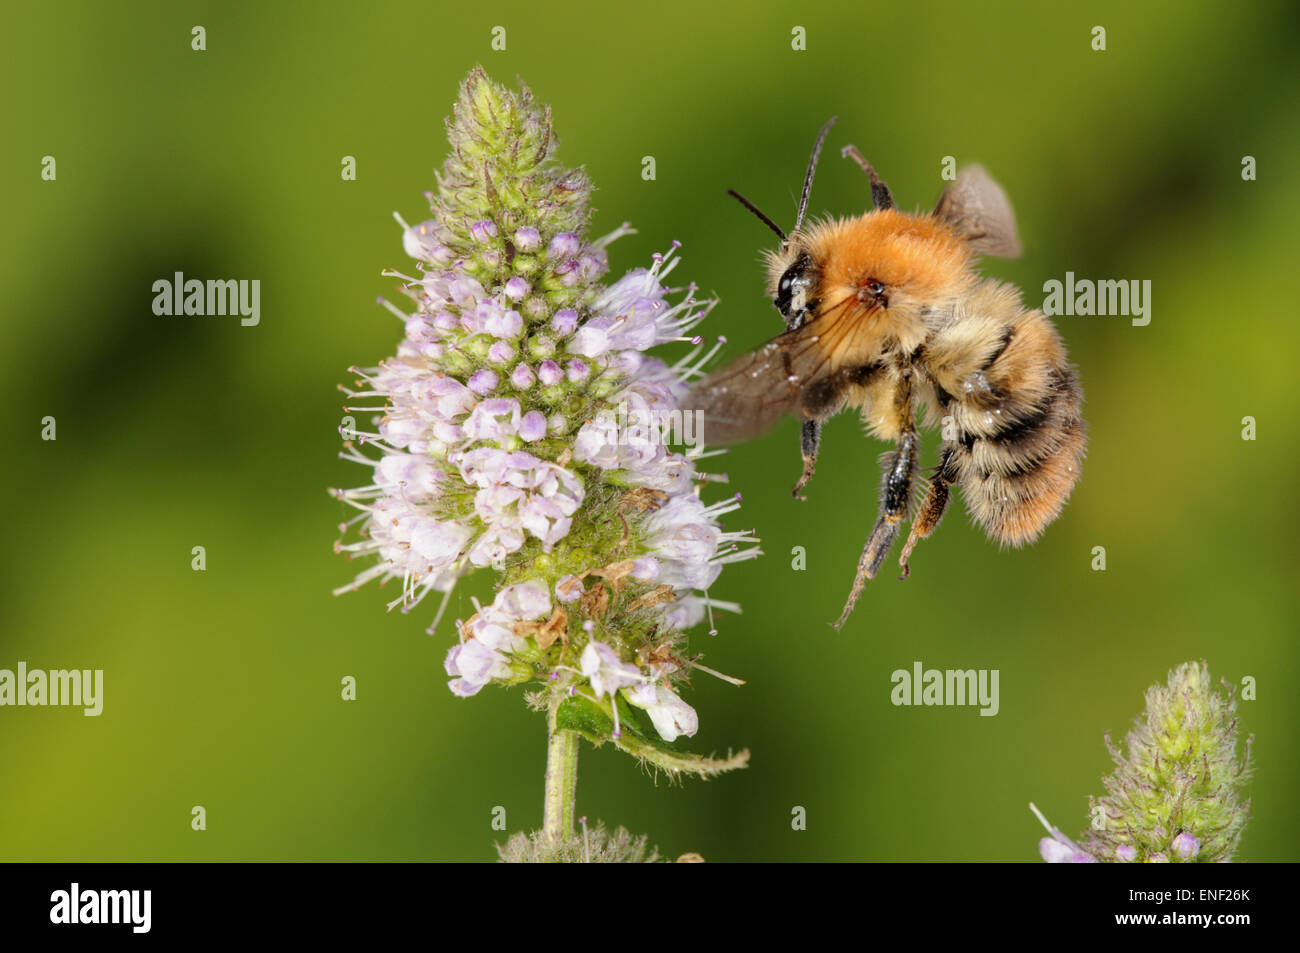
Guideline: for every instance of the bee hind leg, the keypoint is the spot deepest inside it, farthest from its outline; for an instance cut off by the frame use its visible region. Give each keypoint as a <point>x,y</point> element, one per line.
<point>895,494</point>
<point>810,438</point>
<point>932,508</point>
<point>880,195</point>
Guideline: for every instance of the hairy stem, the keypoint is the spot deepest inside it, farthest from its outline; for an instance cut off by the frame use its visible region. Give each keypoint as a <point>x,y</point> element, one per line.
<point>560,804</point>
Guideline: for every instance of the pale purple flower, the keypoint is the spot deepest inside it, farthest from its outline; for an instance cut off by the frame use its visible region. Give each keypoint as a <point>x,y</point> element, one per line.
<point>681,530</point>
<point>524,601</point>
<point>549,373</point>
<point>451,398</point>
<point>1059,849</point>
<point>448,433</point>
<point>522,377</point>
<point>439,541</point>
<point>645,569</point>
<point>645,317</point>
<point>593,338</point>
<point>483,382</point>
<point>496,543</point>
<point>546,519</point>
<point>465,291</point>
<point>483,231</point>
<point>474,665</point>
<point>474,320</point>
<point>435,290</point>
<point>1185,846</point>
<point>564,245</point>
<point>568,273</point>
<point>414,476</point>
<point>493,419</point>
<point>607,673</point>
<point>686,613</point>
<point>671,716</point>
<point>483,466</point>
<point>504,324</point>
<point>498,505</point>
<point>569,589</point>
<point>532,426</point>
<point>485,655</point>
<point>421,332</point>
<point>400,430</point>
<point>526,495</point>
<point>685,539</point>
<point>423,242</point>
<point>527,238</point>
<point>597,442</point>
<point>670,472</point>
<point>555,482</point>
<point>565,322</point>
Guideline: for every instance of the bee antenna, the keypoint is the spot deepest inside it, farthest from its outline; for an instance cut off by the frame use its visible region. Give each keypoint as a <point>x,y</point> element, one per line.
<point>812,167</point>
<point>754,208</point>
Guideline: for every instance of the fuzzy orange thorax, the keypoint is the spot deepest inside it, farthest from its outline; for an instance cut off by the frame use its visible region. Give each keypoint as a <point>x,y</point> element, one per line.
<point>915,253</point>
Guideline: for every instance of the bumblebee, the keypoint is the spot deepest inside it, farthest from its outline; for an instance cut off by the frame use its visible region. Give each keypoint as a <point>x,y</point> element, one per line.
<point>885,313</point>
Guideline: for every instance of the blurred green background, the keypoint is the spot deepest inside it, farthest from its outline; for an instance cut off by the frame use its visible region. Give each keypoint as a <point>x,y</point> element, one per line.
<point>222,687</point>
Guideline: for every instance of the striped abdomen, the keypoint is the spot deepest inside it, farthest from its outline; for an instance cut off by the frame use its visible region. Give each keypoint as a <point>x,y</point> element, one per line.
<point>1002,375</point>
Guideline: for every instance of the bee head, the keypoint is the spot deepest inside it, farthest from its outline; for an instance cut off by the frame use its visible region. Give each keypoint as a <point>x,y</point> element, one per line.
<point>795,280</point>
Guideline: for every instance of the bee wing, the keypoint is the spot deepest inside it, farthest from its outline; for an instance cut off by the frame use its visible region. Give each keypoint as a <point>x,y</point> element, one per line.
<point>978,210</point>
<point>748,396</point>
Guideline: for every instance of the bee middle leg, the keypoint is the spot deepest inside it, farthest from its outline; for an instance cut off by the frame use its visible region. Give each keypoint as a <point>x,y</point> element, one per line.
<point>895,495</point>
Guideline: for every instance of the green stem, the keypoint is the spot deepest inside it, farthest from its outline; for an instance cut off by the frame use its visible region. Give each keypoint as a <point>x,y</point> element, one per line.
<point>560,804</point>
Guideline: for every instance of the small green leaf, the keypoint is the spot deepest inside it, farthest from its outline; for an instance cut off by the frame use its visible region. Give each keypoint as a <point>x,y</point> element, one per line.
<point>595,722</point>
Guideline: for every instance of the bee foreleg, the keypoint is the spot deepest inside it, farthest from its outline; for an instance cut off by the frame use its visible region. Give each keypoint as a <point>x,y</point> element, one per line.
<point>821,398</point>
<point>895,494</point>
<point>931,511</point>
<point>810,438</point>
